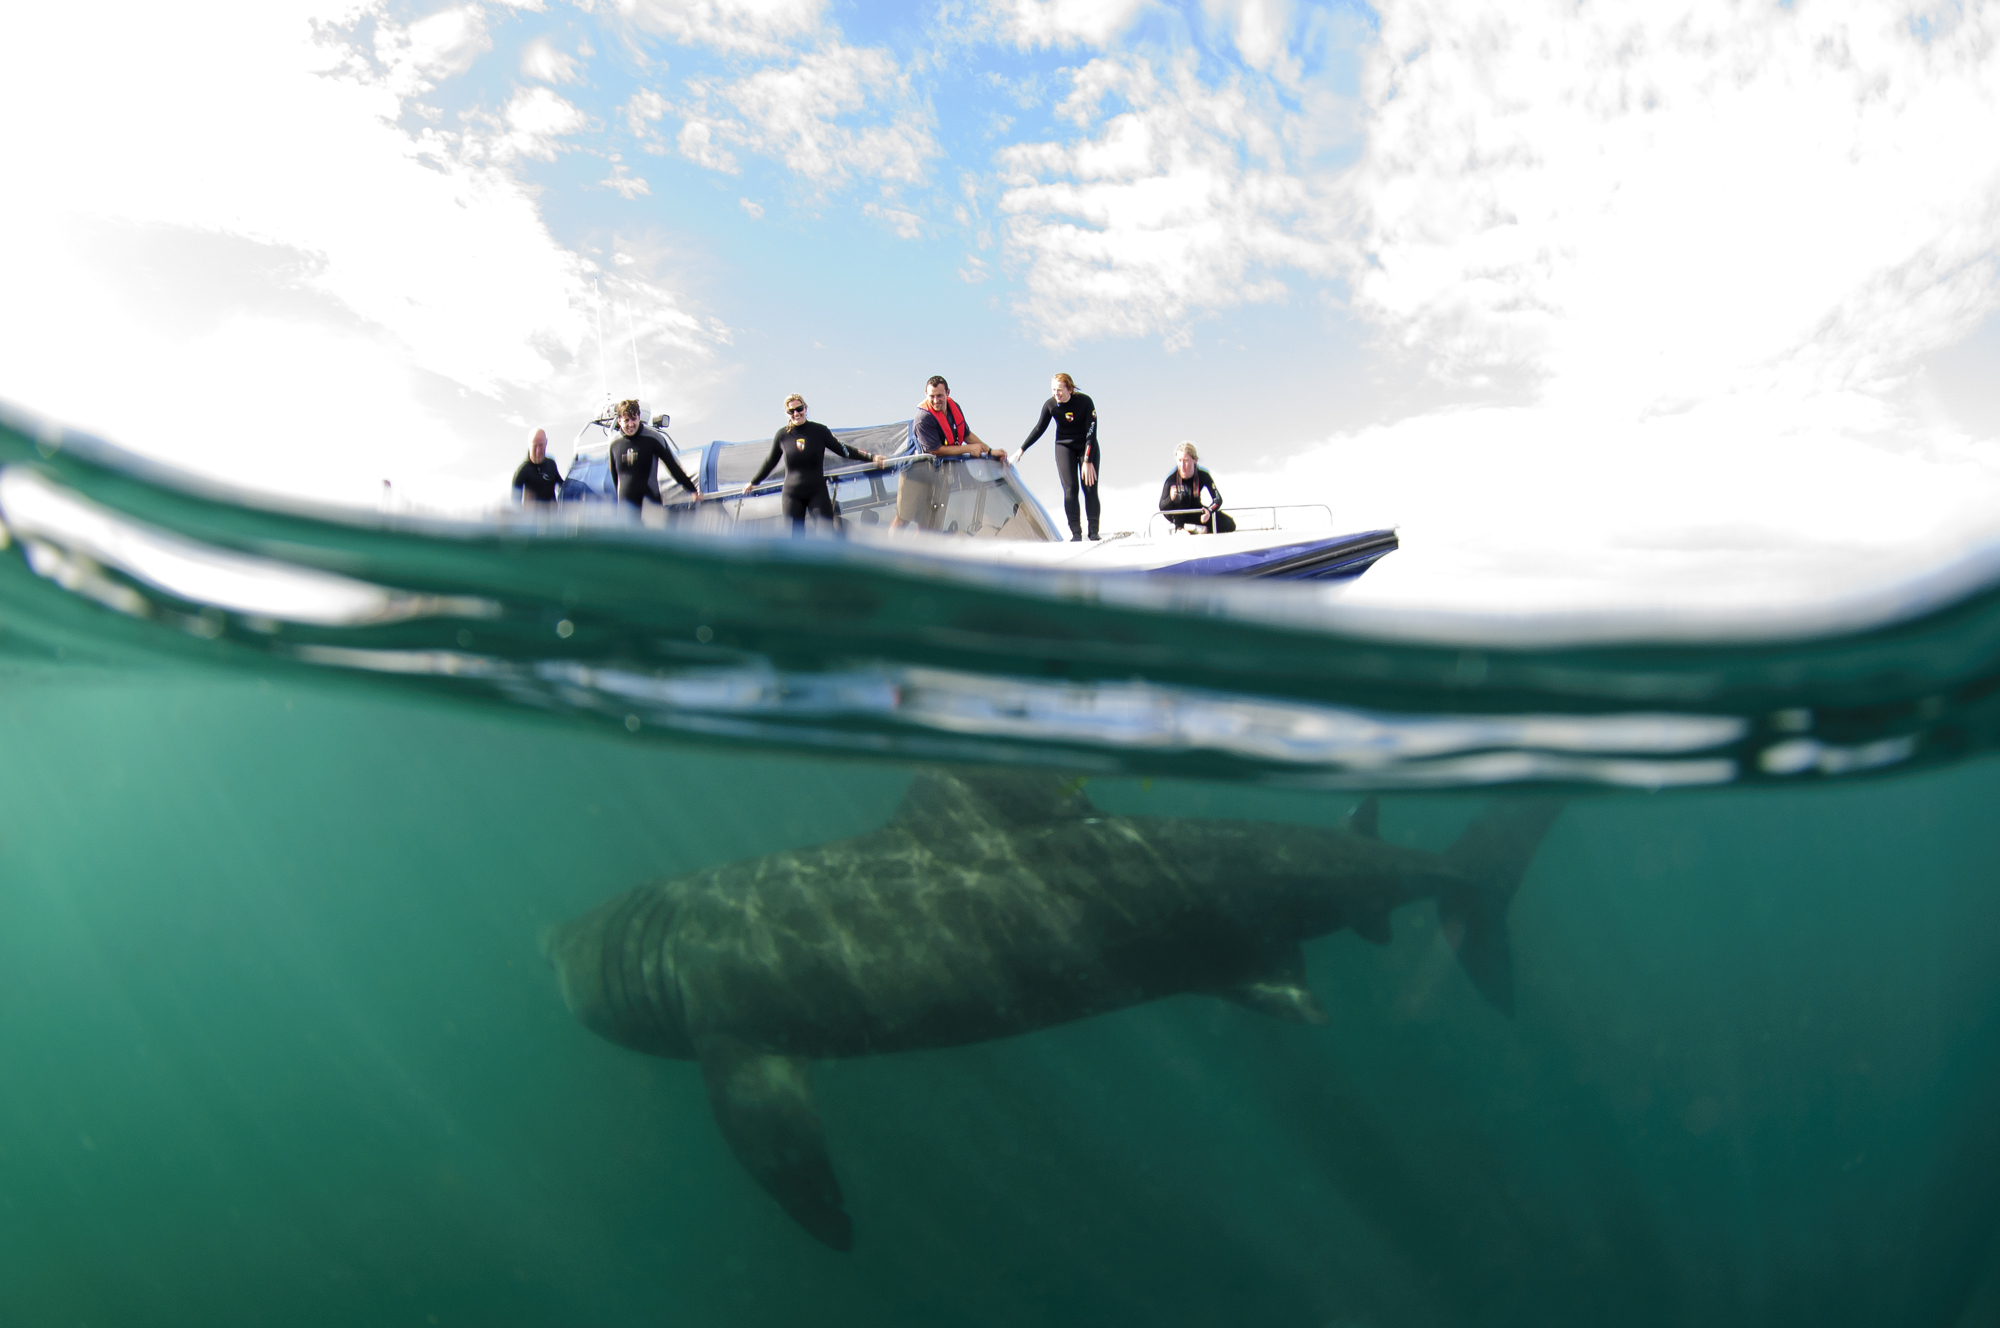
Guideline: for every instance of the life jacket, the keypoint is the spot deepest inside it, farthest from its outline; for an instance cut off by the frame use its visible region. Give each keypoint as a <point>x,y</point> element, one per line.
<point>944,425</point>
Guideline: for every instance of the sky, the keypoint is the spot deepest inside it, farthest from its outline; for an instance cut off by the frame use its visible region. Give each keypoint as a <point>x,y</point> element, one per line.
<point>1677,305</point>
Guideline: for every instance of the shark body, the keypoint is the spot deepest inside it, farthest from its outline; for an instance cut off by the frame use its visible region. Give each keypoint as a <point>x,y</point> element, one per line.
<point>993,904</point>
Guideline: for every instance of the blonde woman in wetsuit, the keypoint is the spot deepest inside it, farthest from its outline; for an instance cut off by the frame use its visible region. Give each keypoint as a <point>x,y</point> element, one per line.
<point>804,444</point>
<point>1077,455</point>
<point>1180,496</point>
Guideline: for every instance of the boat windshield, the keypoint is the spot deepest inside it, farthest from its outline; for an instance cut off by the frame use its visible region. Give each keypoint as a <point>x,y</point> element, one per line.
<point>982,499</point>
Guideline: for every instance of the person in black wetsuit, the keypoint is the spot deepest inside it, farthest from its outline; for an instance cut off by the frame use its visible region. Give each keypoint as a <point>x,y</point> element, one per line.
<point>538,480</point>
<point>1181,494</point>
<point>636,454</point>
<point>804,445</point>
<point>1077,455</point>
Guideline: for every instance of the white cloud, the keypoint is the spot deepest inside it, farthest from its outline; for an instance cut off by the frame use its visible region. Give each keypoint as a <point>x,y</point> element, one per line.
<point>418,57</point>
<point>644,109</point>
<point>697,143</point>
<point>1655,207</point>
<point>757,26</point>
<point>535,123</point>
<point>541,60</point>
<point>1261,31</point>
<point>265,243</point>
<point>1181,203</point>
<point>1705,250</point>
<point>624,182</point>
<point>755,210</point>
<point>1691,268</point>
<point>804,114</point>
<point>1034,23</point>
<point>907,225</point>
<point>973,270</point>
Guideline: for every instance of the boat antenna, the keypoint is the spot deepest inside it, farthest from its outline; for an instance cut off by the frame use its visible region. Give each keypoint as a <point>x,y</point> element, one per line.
<point>637,381</point>
<point>603,377</point>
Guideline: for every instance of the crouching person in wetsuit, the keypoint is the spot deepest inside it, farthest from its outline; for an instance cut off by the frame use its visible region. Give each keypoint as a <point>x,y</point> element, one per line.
<point>538,480</point>
<point>940,432</point>
<point>1180,497</point>
<point>804,445</point>
<point>635,460</point>
<point>1077,456</point>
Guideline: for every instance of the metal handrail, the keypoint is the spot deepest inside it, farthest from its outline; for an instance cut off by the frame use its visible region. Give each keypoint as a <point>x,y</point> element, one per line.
<point>860,468</point>
<point>1238,514</point>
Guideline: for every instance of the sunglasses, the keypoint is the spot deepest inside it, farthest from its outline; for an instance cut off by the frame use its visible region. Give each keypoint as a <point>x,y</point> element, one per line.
<point>795,410</point>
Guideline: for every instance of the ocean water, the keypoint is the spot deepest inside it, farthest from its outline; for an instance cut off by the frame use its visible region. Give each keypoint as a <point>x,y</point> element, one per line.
<point>290,798</point>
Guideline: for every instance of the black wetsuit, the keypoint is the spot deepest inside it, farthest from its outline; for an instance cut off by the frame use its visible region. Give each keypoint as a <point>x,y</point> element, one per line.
<point>1076,443</point>
<point>539,481</point>
<point>804,447</point>
<point>1178,493</point>
<point>635,466</point>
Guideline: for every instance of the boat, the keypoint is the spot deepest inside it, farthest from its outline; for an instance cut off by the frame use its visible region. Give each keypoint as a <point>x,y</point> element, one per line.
<point>990,513</point>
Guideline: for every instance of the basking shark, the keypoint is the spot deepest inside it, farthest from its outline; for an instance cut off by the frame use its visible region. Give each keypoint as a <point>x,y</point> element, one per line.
<point>995,903</point>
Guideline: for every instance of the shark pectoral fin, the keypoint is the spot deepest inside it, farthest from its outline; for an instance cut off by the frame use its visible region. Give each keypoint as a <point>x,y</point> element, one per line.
<point>1366,818</point>
<point>764,1104</point>
<point>1280,992</point>
<point>1280,1000</point>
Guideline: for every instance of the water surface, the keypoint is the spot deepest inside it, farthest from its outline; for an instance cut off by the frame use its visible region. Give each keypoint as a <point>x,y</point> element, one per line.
<point>280,1047</point>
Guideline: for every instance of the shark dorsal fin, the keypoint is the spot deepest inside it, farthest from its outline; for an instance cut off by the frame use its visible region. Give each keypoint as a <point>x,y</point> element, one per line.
<point>940,797</point>
<point>1366,818</point>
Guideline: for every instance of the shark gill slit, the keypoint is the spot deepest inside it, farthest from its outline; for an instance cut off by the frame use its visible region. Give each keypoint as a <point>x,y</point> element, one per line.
<point>661,984</point>
<point>639,988</point>
<point>611,961</point>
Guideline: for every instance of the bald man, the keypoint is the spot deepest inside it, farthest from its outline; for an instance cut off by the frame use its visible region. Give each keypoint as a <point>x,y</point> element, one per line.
<point>538,480</point>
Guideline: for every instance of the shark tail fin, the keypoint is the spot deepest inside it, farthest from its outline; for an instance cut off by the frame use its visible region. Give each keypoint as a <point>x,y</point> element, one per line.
<point>1493,855</point>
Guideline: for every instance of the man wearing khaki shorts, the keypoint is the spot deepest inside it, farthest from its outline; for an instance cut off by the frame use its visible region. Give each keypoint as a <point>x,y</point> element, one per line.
<point>940,432</point>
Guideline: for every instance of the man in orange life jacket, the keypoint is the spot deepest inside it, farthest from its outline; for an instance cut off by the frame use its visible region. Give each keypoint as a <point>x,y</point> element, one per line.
<point>940,432</point>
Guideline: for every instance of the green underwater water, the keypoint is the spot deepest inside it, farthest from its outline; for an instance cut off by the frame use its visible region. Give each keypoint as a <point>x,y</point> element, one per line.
<point>279,1045</point>
<point>280,1049</point>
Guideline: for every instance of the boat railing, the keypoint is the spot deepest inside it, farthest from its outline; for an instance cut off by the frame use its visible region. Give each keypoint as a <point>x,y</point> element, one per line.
<point>770,487</point>
<point>977,496</point>
<point>1281,516</point>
